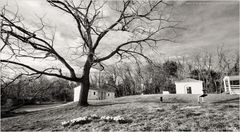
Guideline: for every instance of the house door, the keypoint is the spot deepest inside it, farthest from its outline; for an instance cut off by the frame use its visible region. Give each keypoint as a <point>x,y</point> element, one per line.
<point>189,90</point>
<point>102,95</point>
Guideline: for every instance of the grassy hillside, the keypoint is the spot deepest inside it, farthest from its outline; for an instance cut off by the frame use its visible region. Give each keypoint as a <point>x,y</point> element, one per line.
<point>178,98</point>
<point>146,113</point>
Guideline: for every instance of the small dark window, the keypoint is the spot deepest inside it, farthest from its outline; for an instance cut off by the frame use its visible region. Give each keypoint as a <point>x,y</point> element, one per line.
<point>234,82</point>
<point>189,90</point>
<point>94,93</point>
<point>108,94</point>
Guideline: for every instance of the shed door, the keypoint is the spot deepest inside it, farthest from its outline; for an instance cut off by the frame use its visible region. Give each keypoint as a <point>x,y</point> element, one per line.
<point>189,90</point>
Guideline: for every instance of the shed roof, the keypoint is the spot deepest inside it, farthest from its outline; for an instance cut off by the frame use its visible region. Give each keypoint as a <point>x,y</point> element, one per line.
<point>188,80</point>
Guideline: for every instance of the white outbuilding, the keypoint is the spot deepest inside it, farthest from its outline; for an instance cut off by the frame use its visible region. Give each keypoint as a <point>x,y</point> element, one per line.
<point>189,86</point>
<point>94,94</point>
<point>231,84</point>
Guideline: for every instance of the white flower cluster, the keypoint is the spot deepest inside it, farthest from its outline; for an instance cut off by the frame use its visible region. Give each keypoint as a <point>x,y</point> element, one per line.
<point>87,119</point>
<point>107,118</point>
<point>65,123</point>
<point>118,118</point>
<point>80,120</point>
<point>110,118</point>
<point>94,116</point>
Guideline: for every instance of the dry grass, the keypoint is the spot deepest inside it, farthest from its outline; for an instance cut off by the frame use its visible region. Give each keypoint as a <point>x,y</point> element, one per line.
<point>178,112</point>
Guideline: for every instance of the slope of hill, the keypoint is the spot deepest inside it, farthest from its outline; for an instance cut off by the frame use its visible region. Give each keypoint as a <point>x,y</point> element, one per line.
<point>176,112</point>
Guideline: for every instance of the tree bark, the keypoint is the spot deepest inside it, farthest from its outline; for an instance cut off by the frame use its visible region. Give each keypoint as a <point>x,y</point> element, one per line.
<point>85,83</point>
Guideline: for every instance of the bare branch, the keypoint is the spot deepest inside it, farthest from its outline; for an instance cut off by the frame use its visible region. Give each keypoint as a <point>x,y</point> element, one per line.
<point>30,38</point>
<point>40,72</point>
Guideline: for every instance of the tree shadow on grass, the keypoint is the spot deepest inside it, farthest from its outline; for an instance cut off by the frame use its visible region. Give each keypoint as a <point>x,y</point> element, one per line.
<point>12,114</point>
<point>234,100</point>
<point>158,101</point>
<point>107,104</point>
<point>138,101</point>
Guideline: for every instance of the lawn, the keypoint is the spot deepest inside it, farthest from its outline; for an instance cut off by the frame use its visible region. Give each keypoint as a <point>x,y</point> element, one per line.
<point>145,113</point>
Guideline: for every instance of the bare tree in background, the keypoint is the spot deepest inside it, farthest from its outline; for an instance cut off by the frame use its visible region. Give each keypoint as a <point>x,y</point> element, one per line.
<point>224,64</point>
<point>144,20</point>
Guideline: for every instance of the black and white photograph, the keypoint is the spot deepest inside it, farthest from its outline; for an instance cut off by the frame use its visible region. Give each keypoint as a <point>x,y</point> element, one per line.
<point>120,65</point>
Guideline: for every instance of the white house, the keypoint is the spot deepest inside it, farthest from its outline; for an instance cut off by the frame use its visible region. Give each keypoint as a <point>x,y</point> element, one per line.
<point>231,84</point>
<point>189,86</point>
<point>94,94</point>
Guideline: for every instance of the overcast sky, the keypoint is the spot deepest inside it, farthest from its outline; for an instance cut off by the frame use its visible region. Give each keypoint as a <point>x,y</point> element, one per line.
<point>208,25</point>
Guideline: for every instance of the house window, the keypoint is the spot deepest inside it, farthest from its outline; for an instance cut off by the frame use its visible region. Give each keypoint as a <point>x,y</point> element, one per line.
<point>189,90</point>
<point>94,93</point>
<point>234,82</point>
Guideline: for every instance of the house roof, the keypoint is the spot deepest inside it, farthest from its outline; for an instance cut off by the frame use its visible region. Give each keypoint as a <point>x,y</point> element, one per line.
<point>107,89</point>
<point>188,80</point>
<point>93,88</point>
<point>234,77</point>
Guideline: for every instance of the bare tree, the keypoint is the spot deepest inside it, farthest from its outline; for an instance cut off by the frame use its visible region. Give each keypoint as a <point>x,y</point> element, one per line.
<point>144,20</point>
<point>224,63</point>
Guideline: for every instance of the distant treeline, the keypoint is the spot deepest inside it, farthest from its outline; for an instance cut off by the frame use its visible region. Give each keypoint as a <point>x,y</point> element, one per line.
<point>130,79</point>
<point>32,90</point>
<point>152,78</point>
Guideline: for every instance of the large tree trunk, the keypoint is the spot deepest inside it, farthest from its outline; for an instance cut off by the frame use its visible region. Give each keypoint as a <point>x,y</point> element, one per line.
<point>85,83</point>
